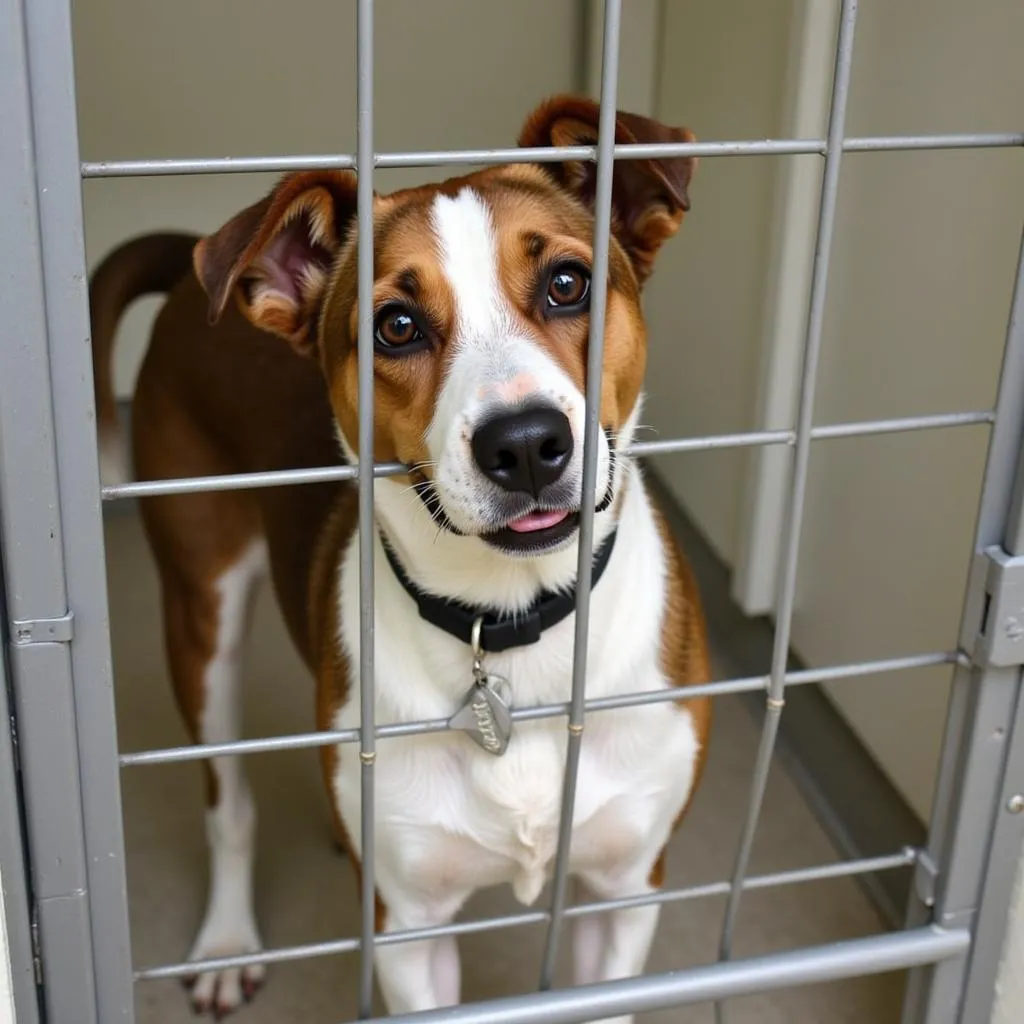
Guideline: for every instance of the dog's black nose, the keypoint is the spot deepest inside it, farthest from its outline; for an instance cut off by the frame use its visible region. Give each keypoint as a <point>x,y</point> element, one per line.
<point>524,451</point>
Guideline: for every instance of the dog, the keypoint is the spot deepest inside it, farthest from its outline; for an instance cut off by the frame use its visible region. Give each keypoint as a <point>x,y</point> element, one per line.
<point>481,298</point>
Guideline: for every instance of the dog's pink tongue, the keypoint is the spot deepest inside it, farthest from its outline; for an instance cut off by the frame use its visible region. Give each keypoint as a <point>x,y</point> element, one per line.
<point>536,521</point>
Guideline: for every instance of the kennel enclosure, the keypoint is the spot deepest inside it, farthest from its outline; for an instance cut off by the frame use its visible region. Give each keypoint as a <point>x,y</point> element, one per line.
<point>65,888</point>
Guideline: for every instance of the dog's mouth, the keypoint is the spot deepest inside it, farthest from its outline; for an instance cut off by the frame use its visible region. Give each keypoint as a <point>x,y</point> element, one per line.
<point>538,521</point>
<point>536,532</point>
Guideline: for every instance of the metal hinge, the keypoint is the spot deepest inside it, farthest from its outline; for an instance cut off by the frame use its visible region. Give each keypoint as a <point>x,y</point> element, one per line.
<point>926,878</point>
<point>37,950</point>
<point>1000,639</point>
<point>43,631</point>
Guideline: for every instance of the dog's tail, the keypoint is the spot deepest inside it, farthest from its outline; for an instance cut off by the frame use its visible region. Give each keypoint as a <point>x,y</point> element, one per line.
<point>150,264</point>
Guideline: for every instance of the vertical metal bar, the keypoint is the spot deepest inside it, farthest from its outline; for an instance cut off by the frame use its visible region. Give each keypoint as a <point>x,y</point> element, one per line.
<point>595,362</point>
<point>77,865</point>
<point>16,911</point>
<point>367,533</point>
<point>55,125</point>
<point>1003,861</point>
<point>981,711</point>
<point>798,487</point>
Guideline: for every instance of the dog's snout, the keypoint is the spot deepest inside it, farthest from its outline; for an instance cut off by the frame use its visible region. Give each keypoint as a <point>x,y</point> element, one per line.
<point>524,451</point>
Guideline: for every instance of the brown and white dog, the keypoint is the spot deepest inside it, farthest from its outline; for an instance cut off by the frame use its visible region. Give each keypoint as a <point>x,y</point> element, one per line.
<point>481,297</point>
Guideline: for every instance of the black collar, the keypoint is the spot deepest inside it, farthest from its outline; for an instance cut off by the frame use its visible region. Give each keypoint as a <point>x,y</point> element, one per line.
<point>499,631</point>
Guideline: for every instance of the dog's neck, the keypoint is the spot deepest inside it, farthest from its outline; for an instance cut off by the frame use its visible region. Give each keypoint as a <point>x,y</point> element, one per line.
<point>468,569</point>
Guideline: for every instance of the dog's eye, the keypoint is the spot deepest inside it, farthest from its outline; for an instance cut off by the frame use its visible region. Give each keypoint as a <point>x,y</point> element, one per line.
<point>568,288</point>
<point>395,328</point>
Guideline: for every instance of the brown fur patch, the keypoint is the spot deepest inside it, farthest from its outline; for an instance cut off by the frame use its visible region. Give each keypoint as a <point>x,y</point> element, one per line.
<point>685,658</point>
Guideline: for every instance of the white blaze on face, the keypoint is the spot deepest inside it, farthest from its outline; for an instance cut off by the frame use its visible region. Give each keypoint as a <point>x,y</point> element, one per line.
<point>495,362</point>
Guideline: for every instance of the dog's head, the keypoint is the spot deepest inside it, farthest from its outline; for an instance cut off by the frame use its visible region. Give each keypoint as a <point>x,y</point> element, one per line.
<point>481,302</point>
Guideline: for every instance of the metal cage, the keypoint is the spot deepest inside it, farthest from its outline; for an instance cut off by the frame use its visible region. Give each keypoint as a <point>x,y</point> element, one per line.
<point>67,912</point>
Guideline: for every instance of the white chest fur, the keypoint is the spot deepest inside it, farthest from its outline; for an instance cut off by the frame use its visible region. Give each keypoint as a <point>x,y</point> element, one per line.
<point>452,818</point>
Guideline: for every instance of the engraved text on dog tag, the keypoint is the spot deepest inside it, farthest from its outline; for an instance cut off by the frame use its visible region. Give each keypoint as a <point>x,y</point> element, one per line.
<point>485,714</point>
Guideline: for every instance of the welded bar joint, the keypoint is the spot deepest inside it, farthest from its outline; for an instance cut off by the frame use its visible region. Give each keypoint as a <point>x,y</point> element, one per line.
<point>926,878</point>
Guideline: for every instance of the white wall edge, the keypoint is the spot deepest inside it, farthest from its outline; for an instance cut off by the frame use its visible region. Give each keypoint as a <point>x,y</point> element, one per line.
<point>788,281</point>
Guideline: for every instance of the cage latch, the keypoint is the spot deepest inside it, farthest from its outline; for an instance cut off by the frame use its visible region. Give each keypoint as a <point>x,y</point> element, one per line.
<point>43,631</point>
<point>1000,640</point>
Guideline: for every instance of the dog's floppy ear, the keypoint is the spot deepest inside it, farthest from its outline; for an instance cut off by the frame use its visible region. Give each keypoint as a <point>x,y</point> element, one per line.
<point>275,256</point>
<point>649,197</point>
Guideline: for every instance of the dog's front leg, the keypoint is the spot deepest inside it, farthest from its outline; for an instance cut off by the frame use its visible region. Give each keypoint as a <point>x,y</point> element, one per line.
<point>614,945</point>
<point>422,975</point>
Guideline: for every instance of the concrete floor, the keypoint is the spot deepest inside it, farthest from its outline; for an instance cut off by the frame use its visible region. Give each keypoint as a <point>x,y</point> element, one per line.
<point>306,890</point>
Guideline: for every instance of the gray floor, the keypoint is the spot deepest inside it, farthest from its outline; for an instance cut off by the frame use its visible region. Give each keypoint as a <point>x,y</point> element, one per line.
<point>306,890</point>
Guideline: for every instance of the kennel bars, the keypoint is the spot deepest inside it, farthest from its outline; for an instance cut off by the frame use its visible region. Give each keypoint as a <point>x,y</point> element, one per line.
<point>75,943</point>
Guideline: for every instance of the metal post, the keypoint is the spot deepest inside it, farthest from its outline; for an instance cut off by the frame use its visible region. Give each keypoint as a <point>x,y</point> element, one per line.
<point>61,667</point>
<point>791,541</point>
<point>595,363</point>
<point>367,530</point>
<point>981,714</point>
<point>16,897</point>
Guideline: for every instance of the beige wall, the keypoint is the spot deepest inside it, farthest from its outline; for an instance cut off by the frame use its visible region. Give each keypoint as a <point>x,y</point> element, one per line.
<point>247,77</point>
<point>722,71</point>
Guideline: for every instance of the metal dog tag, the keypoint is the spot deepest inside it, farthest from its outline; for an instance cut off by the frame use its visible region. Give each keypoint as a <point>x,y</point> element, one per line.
<point>485,714</point>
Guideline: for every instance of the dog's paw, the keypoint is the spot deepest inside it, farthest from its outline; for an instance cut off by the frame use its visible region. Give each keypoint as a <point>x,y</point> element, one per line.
<point>223,991</point>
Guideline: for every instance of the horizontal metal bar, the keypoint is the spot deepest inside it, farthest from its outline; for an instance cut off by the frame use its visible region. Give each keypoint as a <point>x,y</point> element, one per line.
<point>333,947</point>
<point>820,873</point>
<point>761,438</point>
<point>439,158</point>
<point>300,741</point>
<point>243,481</point>
<point>634,151</point>
<point>217,165</point>
<point>969,140</point>
<point>810,965</point>
<point>902,425</point>
<point>764,438</point>
<point>483,157</point>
